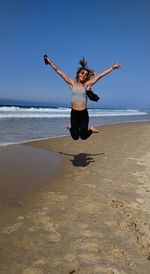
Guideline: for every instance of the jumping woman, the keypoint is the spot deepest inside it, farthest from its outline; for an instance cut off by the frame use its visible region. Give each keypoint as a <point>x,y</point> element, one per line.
<point>85,79</point>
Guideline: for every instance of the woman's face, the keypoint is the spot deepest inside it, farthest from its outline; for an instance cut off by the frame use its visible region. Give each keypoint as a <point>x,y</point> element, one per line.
<point>83,76</point>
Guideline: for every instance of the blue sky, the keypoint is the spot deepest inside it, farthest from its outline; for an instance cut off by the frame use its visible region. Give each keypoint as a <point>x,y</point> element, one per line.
<point>104,32</point>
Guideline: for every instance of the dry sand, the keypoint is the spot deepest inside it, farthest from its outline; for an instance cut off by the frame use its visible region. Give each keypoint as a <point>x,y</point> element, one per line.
<point>92,217</point>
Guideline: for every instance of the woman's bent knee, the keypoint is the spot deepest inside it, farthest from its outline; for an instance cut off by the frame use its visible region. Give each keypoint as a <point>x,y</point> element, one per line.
<point>85,134</point>
<point>83,137</point>
<point>75,137</point>
<point>74,134</point>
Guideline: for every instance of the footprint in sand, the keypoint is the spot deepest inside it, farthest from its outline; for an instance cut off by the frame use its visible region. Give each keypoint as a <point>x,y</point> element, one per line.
<point>113,203</point>
<point>12,228</point>
<point>89,247</point>
<point>87,259</point>
<point>129,224</point>
<point>116,251</point>
<point>111,223</point>
<point>91,234</point>
<point>53,197</point>
<point>43,224</point>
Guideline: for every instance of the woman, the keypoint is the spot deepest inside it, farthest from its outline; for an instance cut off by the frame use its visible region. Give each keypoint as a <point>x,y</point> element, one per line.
<point>85,79</point>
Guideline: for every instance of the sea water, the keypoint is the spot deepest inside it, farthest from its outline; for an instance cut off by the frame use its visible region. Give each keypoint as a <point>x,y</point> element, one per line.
<point>20,124</point>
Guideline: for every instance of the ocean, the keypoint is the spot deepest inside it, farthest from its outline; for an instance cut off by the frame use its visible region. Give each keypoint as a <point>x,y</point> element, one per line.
<point>21,124</point>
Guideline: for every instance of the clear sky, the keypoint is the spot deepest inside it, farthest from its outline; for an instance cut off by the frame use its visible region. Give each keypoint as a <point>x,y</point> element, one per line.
<point>104,32</point>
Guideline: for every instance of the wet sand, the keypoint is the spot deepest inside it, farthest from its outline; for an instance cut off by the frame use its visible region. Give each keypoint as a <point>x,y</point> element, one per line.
<point>92,215</point>
<point>24,170</point>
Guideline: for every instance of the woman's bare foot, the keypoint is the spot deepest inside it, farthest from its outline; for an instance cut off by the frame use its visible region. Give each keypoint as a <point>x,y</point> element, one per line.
<point>94,130</point>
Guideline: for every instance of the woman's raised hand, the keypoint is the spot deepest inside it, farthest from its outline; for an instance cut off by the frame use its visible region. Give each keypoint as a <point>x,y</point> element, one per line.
<point>116,66</point>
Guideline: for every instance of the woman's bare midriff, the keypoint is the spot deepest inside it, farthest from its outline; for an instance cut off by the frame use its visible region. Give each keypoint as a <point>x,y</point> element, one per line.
<point>79,105</point>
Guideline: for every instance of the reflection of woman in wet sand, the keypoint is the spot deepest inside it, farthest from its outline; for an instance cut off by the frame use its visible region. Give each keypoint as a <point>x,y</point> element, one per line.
<point>85,79</point>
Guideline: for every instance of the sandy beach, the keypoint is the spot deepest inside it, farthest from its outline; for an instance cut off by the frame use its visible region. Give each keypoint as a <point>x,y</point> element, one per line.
<point>77,206</point>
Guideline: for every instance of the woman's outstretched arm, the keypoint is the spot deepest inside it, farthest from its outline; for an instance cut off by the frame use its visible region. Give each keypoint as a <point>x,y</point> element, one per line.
<point>102,74</point>
<point>59,71</point>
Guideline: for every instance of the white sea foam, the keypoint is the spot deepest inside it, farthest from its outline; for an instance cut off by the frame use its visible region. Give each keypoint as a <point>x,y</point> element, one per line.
<point>33,112</point>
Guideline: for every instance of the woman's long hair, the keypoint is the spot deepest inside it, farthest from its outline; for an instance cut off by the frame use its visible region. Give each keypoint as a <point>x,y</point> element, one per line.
<point>83,66</point>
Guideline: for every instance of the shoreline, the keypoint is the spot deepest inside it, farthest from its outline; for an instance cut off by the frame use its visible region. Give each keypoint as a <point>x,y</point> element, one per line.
<point>93,218</point>
<point>65,135</point>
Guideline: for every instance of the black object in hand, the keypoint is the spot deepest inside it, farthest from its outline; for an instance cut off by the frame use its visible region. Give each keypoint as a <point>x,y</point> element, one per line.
<point>45,60</point>
<point>92,96</point>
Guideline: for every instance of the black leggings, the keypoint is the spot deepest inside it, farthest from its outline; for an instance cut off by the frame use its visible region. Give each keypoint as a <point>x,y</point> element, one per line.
<point>79,124</point>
